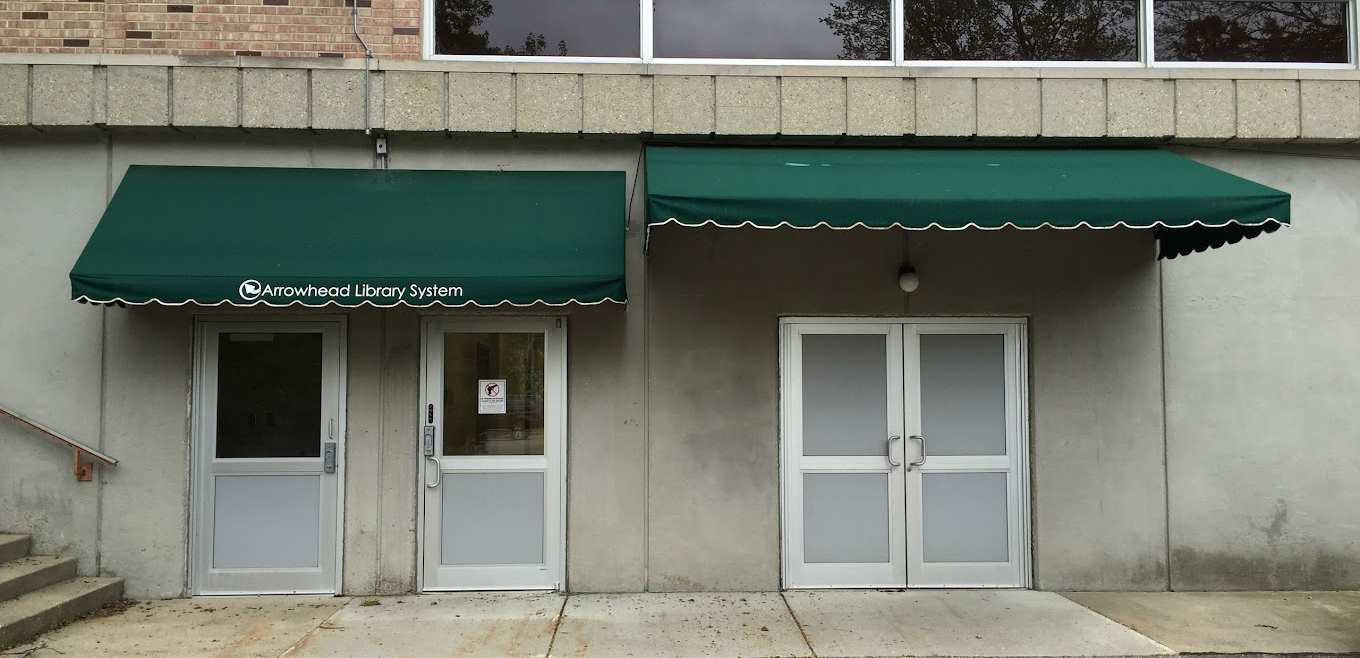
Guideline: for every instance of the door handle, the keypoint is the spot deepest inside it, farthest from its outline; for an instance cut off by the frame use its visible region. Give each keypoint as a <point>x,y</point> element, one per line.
<point>922,439</point>
<point>328,457</point>
<point>894,464</point>
<point>438,475</point>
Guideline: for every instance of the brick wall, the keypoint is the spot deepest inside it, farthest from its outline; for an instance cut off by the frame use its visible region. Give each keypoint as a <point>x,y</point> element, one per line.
<point>274,28</point>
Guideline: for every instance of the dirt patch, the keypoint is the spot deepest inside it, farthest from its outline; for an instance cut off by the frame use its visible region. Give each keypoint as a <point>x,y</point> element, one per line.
<point>112,610</point>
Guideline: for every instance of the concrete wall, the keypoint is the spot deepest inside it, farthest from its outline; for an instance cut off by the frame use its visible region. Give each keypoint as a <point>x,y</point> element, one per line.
<point>879,103</point>
<point>121,379</point>
<point>714,299</point>
<point>50,352</point>
<point>1262,376</point>
<point>673,403</point>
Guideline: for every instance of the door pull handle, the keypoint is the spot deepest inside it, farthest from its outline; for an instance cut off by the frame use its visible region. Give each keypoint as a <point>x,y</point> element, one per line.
<point>328,457</point>
<point>921,461</point>
<point>438,475</point>
<point>891,461</point>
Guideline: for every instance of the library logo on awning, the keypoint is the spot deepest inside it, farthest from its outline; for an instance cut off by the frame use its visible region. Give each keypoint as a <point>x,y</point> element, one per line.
<point>250,290</point>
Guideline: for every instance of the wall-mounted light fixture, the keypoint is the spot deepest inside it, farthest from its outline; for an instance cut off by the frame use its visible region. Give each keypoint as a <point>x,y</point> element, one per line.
<point>907,278</point>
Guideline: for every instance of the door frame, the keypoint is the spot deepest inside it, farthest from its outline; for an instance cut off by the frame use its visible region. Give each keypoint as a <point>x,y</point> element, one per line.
<point>787,407</point>
<point>554,328</point>
<point>200,388</point>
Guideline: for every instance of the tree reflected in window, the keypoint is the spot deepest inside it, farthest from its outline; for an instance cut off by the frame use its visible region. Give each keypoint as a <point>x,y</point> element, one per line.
<point>1222,31</point>
<point>588,28</point>
<point>1021,30</point>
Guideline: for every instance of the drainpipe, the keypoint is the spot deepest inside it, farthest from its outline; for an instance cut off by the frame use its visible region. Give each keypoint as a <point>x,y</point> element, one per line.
<point>368,57</point>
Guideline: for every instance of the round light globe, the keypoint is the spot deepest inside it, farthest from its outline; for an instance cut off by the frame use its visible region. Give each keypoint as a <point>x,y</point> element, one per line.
<point>908,281</point>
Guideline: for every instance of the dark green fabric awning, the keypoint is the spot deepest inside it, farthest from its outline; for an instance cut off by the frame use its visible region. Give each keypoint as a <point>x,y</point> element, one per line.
<point>1190,206</point>
<point>278,237</point>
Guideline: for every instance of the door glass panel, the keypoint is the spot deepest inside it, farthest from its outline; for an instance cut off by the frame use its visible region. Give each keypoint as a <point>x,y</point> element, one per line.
<point>478,368</point>
<point>266,521</point>
<point>845,517</point>
<point>964,517</point>
<point>963,393</point>
<point>268,395</point>
<point>492,518</point>
<point>845,394</point>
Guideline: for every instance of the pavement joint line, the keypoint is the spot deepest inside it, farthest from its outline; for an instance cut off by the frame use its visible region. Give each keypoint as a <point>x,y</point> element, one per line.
<point>1169,651</point>
<point>561,612</point>
<point>316,628</point>
<point>799,624</point>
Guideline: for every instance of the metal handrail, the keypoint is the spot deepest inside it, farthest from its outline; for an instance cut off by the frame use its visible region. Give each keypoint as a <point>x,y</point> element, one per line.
<point>84,470</point>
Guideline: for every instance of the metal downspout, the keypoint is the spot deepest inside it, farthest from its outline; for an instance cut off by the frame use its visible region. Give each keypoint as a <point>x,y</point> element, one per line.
<point>368,57</point>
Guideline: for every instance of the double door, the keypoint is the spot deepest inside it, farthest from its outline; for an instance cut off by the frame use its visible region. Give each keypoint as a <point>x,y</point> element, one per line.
<point>904,454</point>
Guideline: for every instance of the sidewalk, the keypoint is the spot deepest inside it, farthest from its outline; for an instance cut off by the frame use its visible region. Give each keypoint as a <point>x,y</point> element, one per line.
<point>823,624</point>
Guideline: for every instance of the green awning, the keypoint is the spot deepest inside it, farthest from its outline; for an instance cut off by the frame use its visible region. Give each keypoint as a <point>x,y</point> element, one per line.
<point>1190,206</point>
<point>279,237</point>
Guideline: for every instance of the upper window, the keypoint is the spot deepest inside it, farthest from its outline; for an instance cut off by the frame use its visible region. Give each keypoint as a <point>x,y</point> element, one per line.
<point>887,32</point>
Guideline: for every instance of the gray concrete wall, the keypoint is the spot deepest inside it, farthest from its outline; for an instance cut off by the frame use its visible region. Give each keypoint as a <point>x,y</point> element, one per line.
<point>52,190</point>
<point>714,300</point>
<point>673,464</point>
<point>1263,351</point>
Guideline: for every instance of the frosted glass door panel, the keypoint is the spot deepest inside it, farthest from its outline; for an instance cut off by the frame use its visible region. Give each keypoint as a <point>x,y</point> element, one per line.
<point>845,517</point>
<point>845,394</point>
<point>965,517</point>
<point>266,521</point>
<point>963,394</point>
<point>492,518</point>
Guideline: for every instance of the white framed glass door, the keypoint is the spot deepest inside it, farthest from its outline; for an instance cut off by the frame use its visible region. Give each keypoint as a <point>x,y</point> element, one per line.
<point>267,468</point>
<point>493,433</point>
<point>843,446</point>
<point>965,483</point>
<point>904,453</point>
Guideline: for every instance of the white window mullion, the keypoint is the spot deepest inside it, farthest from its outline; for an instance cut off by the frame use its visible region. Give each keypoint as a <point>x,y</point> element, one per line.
<point>898,15</point>
<point>1145,32</point>
<point>646,27</point>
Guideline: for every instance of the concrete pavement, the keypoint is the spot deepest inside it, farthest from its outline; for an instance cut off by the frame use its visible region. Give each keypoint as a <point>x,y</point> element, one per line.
<point>812,624</point>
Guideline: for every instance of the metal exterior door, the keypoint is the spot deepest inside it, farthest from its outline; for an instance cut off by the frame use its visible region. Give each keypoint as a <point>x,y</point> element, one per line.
<point>493,429</point>
<point>843,431</point>
<point>966,488</point>
<point>904,453</point>
<point>269,428</point>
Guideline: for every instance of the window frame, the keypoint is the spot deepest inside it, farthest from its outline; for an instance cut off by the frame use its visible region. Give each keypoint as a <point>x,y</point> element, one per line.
<point>1146,50</point>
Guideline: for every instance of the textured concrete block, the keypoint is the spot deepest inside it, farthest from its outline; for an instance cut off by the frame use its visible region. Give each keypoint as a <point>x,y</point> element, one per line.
<point>548,102</point>
<point>482,102</point>
<point>747,105</point>
<point>1073,108</point>
<point>1008,107</point>
<point>812,106</point>
<point>1140,108</point>
<point>14,102</point>
<point>204,96</point>
<point>62,95</point>
<point>1205,109</point>
<point>946,107</point>
<point>338,100</point>
<point>1267,109</point>
<point>880,106</point>
<point>618,104</point>
<point>684,105</point>
<point>274,98</point>
<point>1330,110</point>
<point>414,100</point>
<point>139,95</point>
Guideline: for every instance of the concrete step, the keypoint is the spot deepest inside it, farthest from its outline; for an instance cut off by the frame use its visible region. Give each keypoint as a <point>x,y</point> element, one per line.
<point>33,572</point>
<point>13,547</point>
<point>30,615</point>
